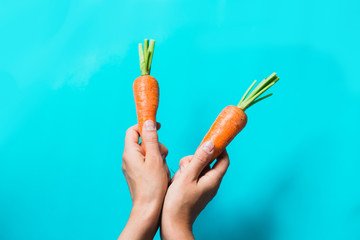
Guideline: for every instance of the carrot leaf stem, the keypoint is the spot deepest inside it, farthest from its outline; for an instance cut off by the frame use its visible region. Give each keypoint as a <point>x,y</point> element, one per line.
<point>151,52</point>
<point>247,91</point>
<point>145,56</point>
<point>262,84</point>
<point>251,98</point>
<point>141,57</point>
<point>259,99</point>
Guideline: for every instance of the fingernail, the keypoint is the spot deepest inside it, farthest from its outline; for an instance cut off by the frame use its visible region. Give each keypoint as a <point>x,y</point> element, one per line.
<point>208,146</point>
<point>181,168</point>
<point>149,125</point>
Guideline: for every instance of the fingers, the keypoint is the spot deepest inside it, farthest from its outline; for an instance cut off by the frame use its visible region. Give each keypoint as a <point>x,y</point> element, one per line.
<point>163,151</point>
<point>220,167</point>
<point>185,161</point>
<point>182,165</point>
<point>132,136</point>
<point>212,178</point>
<point>201,159</point>
<point>216,173</point>
<point>149,138</point>
<point>204,171</point>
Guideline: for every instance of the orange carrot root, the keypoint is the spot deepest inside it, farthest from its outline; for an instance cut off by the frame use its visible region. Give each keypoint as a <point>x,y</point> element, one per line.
<point>146,94</point>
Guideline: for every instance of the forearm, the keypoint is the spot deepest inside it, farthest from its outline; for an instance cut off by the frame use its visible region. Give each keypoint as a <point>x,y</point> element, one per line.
<point>142,224</point>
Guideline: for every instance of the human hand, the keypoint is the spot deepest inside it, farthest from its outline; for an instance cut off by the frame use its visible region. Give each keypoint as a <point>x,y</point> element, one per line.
<point>192,188</point>
<point>148,178</point>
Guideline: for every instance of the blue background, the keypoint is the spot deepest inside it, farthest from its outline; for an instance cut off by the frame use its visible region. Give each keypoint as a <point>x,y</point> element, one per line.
<point>66,73</point>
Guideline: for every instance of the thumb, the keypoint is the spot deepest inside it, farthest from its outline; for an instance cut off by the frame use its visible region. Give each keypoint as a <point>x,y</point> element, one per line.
<point>201,159</point>
<point>149,138</point>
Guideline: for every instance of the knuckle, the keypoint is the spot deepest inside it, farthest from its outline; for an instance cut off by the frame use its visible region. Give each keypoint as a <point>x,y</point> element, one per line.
<point>203,158</point>
<point>166,150</point>
<point>163,149</point>
<point>154,156</point>
<point>213,187</point>
<point>124,157</point>
<point>152,138</point>
<point>227,164</point>
<point>164,154</point>
<point>218,181</point>
<point>124,161</point>
<point>182,161</point>
<point>213,193</point>
<point>123,167</point>
<point>128,131</point>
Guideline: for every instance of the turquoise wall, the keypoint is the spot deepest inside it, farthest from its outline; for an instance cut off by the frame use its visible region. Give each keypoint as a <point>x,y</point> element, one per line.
<point>66,73</point>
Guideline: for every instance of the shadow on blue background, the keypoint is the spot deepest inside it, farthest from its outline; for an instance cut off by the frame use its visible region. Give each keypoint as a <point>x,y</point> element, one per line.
<point>66,76</point>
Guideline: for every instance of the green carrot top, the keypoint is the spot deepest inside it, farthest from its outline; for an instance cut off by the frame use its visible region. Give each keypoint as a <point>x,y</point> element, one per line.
<point>146,53</point>
<point>251,98</point>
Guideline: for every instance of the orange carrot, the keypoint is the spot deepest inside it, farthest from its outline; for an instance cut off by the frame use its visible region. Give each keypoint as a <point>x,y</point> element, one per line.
<point>145,87</point>
<point>232,119</point>
<point>146,94</point>
<point>227,125</point>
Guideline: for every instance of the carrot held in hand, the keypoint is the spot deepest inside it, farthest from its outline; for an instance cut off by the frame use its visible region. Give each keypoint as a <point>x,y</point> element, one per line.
<point>232,119</point>
<point>145,87</point>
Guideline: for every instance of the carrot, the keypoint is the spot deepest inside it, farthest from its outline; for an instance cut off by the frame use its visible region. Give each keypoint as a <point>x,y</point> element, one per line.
<point>145,87</point>
<point>232,119</point>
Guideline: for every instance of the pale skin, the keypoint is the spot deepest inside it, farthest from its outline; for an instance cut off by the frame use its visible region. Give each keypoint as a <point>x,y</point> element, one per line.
<point>174,207</point>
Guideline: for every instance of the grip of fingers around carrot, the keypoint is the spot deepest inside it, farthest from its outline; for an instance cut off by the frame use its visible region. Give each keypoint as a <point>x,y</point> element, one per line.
<point>201,159</point>
<point>197,165</point>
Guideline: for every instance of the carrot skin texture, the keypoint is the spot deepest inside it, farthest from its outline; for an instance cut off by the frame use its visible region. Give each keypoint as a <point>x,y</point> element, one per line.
<point>146,95</point>
<point>227,125</point>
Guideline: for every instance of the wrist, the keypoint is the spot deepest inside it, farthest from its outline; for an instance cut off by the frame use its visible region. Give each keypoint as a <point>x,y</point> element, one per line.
<point>175,228</point>
<point>143,222</point>
<point>146,212</point>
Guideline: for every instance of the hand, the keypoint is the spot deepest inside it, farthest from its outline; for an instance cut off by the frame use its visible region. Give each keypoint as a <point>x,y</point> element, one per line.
<point>191,189</point>
<point>148,178</point>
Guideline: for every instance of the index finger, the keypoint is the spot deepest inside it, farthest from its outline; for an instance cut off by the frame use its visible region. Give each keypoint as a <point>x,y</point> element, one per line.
<point>132,136</point>
<point>221,165</point>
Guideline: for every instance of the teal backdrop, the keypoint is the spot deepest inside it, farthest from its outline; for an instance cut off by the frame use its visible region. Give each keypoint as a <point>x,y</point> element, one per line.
<point>66,74</point>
